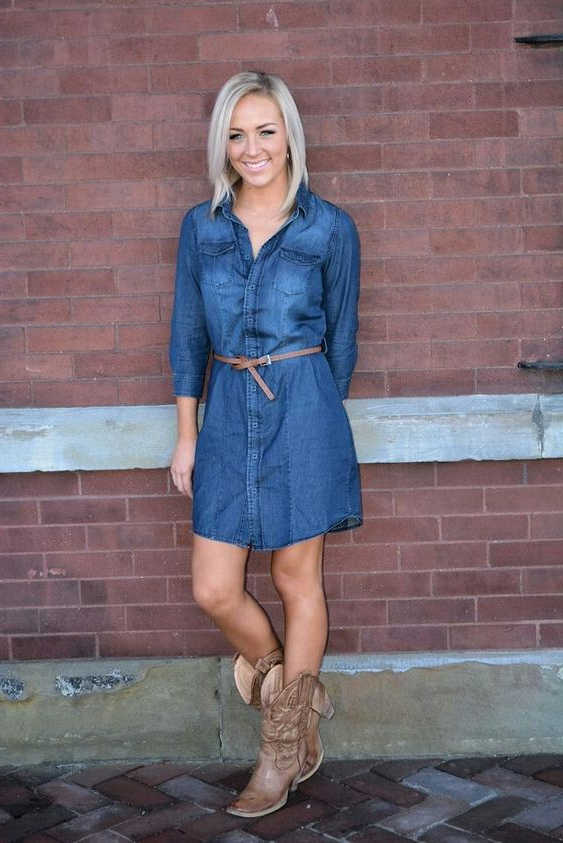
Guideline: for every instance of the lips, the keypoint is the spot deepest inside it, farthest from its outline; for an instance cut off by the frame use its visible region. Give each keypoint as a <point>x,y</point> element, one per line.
<point>256,165</point>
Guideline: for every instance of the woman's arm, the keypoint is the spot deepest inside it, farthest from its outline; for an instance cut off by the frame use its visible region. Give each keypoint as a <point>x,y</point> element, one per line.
<point>183,457</point>
<point>189,351</point>
<point>341,281</point>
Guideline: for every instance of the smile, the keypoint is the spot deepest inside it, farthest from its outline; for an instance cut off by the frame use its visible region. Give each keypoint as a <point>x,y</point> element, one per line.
<point>256,165</point>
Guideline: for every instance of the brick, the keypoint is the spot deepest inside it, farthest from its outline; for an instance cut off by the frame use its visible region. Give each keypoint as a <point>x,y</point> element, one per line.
<point>464,583</point>
<point>130,792</point>
<point>54,647</point>
<point>103,80</point>
<point>157,821</point>
<point>377,786</point>
<point>343,157</point>
<point>148,279</point>
<point>354,613</point>
<point>544,607</point>
<point>552,776</point>
<point>512,833</point>
<point>446,833</point>
<point>172,508</point>
<point>433,154</point>
<point>67,110</point>
<point>163,562</point>
<point>394,355</point>
<point>544,817</point>
<point>396,584</point>
<point>82,510</point>
<point>11,227</point>
<point>486,472</point>
<point>72,796</point>
<point>163,644</point>
<point>80,565</point>
<point>39,484</point>
<point>543,238</point>
<point>344,640</point>
<point>90,776</point>
<point>97,253</point>
<point>539,122</point>
<point>18,367</point>
<point>11,169</point>
<point>110,194</point>
<point>529,10</point>
<point>130,536</point>
<point>18,512</point>
<point>41,539</point>
<point>476,65</point>
<point>86,824</point>
<point>550,634</point>
<point>22,566</point>
<point>456,10</point>
<point>360,558</point>
<point>430,610</point>
<point>493,527</point>
<point>544,209</point>
<point>529,765</point>
<point>476,183</point>
<point>481,240</point>
<point>13,284</point>
<point>81,619</point>
<point>290,818</point>
<point>124,590</point>
<point>34,311</point>
<point>144,618</point>
<point>186,787</point>
<point>424,97</point>
<point>547,526</point>
<point>431,382</point>
<point>507,781</point>
<point>437,501</point>
<point>542,180</point>
<point>68,226</point>
<point>133,482</point>
<point>70,283</point>
<point>398,529</point>
<point>523,499</point>
<point>402,638</point>
<point>375,70</point>
<point>443,555</point>
<point>156,773</point>
<point>109,364</point>
<point>18,621</point>
<point>492,636</point>
<point>153,390</point>
<point>423,39</point>
<point>74,394</point>
<point>416,214</point>
<point>526,553</point>
<point>474,124</point>
<point>13,830</point>
<point>385,186</point>
<point>35,593</point>
<point>440,783</point>
<point>541,295</point>
<point>109,309</point>
<point>71,338</point>
<point>396,475</point>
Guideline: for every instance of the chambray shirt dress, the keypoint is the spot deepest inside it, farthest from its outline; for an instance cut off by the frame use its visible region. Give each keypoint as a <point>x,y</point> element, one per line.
<point>268,473</point>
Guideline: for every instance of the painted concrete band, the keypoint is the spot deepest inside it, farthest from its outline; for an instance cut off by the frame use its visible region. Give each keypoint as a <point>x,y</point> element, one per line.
<point>391,705</point>
<point>420,429</point>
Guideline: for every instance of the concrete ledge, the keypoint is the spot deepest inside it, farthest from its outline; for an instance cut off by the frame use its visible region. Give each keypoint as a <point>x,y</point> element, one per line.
<point>390,706</point>
<point>443,429</point>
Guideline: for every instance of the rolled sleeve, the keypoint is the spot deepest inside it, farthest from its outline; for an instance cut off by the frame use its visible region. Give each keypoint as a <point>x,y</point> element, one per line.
<point>189,339</point>
<point>341,281</point>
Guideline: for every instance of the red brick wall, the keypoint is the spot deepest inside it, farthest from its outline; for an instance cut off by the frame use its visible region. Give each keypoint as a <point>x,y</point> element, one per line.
<point>442,138</point>
<point>451,556</point>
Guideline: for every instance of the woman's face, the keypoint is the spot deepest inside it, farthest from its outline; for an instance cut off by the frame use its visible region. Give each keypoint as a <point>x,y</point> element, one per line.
<point>257,146</point>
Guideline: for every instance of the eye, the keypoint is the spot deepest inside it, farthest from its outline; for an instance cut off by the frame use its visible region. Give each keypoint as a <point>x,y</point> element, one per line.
<point>268,132</point>
<point>235,136</point>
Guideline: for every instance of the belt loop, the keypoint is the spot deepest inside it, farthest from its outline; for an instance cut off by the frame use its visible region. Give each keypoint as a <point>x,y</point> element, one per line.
<point>325,345</point>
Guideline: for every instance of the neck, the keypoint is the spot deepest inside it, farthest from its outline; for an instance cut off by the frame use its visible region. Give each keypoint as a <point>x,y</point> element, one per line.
<point>262,200</point>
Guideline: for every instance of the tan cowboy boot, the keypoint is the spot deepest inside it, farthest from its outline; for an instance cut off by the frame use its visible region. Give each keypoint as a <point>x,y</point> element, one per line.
<point>249,679</point>
<point>283,756</point>
<point>285,716</point>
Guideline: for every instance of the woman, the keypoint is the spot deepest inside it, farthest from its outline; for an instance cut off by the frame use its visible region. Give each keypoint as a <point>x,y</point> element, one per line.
<point>268,276</point>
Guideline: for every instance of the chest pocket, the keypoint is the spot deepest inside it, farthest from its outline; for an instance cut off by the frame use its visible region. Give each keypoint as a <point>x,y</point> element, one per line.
<point>294,271</point>
<point>216,259</point>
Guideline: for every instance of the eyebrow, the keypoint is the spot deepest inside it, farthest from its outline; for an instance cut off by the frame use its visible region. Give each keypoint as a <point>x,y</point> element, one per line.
<point>261,126</point>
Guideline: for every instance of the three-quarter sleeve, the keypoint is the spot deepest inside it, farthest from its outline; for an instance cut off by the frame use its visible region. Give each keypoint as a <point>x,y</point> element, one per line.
<point>341,282</point>
<point>189,338</point>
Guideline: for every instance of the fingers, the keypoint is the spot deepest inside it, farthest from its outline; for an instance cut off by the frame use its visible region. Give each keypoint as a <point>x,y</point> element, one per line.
<point>183,481</point>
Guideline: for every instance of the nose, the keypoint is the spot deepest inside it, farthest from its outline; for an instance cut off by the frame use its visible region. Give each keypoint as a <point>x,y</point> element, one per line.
<point>252,145</point>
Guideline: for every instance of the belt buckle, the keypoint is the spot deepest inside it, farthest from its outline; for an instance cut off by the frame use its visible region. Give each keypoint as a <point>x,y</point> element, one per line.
<point>268,360</point>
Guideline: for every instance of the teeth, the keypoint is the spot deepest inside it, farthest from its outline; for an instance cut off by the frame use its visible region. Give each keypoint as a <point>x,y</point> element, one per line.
<point>257,165</point>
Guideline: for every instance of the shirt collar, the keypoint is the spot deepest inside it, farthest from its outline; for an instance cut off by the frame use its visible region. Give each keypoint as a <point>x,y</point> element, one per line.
<point>302,199</point>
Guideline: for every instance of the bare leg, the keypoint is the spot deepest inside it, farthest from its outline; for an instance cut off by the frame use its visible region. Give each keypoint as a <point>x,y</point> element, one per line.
<point>297,575</point>
<point>218,570</point>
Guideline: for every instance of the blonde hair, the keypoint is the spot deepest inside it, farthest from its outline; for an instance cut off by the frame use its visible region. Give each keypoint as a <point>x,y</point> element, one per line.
<point>221,173</point>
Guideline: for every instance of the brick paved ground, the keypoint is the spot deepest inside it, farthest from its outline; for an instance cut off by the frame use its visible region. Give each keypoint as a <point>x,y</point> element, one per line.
<point>464,800</point>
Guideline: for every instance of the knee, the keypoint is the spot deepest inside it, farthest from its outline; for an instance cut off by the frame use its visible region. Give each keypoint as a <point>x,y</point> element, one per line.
<point>295,587</point>
<point>214,598</point>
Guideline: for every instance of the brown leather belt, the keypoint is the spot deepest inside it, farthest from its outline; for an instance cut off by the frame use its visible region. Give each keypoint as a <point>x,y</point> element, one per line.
<point>242,362</point>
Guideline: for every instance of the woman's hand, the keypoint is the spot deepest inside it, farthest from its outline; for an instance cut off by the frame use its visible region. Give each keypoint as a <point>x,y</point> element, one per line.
<point>182,464</point>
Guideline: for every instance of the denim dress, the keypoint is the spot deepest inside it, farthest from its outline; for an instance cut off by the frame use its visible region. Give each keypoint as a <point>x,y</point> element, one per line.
<point>268,473</point>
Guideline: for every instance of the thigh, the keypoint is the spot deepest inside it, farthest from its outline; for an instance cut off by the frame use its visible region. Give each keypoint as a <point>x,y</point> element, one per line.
<point>302,561</point>
<point>216,562</point>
